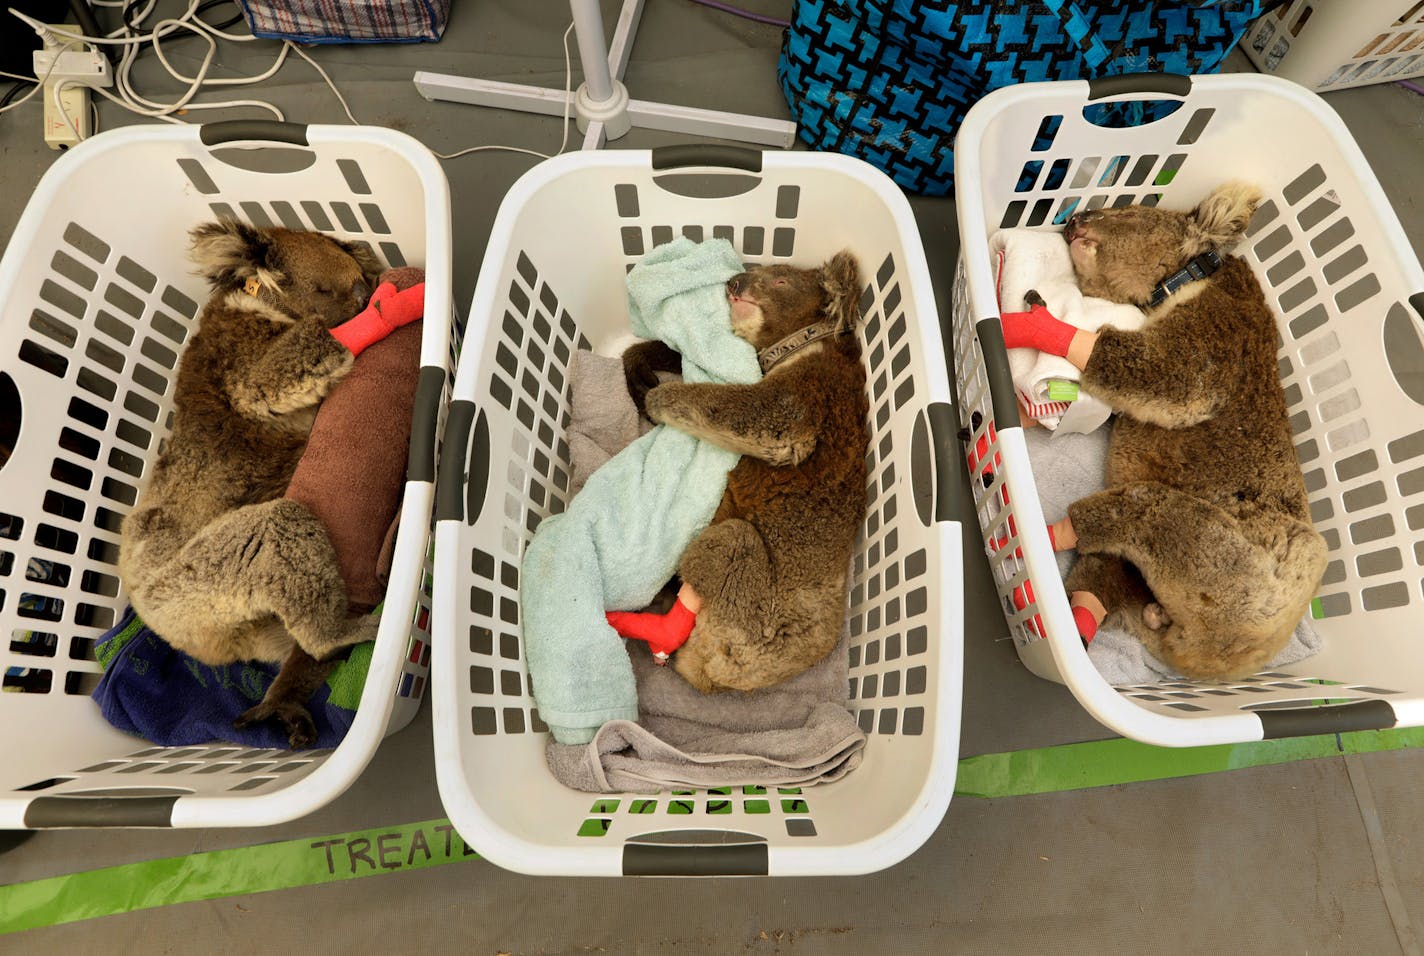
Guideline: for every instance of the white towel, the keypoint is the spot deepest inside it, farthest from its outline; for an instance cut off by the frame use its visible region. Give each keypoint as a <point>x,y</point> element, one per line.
<point>1039,259</point>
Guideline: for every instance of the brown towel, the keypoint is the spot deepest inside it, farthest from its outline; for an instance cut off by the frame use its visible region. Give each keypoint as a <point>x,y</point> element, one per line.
<point>353,470</point>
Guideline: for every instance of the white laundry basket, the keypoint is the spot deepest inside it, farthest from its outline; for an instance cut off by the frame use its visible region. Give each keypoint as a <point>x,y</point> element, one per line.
<point>97,297</point>
<point>1337,268</point>
<point>1335,44</point>
<point>552,282</point>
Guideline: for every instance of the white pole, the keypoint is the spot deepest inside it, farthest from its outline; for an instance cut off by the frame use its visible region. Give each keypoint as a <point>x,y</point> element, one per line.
<point>593,50</point>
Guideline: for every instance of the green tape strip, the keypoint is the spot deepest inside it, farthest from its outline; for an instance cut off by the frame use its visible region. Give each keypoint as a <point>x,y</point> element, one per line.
<point>411,846</point>
<point>220,873</point>
<point>1103,763</point>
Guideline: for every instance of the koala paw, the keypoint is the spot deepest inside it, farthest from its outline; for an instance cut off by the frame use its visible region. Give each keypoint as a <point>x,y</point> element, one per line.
<point>659,402</point>
<point>641,378</point>
<point>1155,616</point>
<point>296,720</point>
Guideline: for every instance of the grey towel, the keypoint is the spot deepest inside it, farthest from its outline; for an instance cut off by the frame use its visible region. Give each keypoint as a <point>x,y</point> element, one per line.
<point>1068,467</point>
<point>602,418</point>
<point>796,733</point>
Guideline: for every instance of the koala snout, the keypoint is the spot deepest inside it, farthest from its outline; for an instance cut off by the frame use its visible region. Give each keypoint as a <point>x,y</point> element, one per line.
<point>1074,226</point>
<point>361,291</point>
<point>737,284</point>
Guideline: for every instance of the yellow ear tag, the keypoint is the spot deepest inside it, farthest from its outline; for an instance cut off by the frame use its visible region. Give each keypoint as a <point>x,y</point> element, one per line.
<point>252,286</point>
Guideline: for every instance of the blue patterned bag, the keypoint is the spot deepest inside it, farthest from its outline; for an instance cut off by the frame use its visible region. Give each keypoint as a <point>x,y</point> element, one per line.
<point>890,80</point>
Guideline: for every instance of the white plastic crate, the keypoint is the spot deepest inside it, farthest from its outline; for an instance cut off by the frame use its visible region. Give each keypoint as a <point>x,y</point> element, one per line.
<point>553,281</point>
<point>1337,268</point>
<point>97,297</point>
<point>1335,44</point>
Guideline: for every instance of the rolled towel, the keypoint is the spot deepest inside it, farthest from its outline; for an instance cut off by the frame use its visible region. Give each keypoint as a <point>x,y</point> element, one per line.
<point>353,470</point>
<point>1039,259</point>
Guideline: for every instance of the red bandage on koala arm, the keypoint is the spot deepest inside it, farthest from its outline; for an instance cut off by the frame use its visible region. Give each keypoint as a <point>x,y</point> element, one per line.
<point>1037,329</point>
<point>388,311</point>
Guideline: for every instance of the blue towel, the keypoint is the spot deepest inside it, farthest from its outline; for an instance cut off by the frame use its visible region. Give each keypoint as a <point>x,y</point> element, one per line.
<point>622,537</point>
<point>171,700</point>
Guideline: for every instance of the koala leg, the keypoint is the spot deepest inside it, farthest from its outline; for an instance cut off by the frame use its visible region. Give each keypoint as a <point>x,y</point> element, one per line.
<point>728,567</point>
<point>286,698</point>
<point>748,633</point>
<point>1232,591</point>
<point>251,564</point>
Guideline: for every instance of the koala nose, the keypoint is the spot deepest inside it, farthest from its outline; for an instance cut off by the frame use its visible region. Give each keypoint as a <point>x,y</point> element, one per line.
<point>361,291</point>
<point>736,284</point>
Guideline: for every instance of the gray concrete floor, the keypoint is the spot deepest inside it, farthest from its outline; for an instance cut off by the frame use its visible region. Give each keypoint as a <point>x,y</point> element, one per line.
<point>1273,860</point>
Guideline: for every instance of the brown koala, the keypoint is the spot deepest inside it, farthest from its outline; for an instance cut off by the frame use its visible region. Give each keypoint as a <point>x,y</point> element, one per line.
<point>770,569</point>
<point>215,560</point>
<point>1202,543</point>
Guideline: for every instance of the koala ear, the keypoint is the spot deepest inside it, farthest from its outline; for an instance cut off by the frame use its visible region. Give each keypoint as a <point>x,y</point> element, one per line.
<point>1221,218</point>
<point>371,267</point>
<point>840,277</point>
<point>229,253</point>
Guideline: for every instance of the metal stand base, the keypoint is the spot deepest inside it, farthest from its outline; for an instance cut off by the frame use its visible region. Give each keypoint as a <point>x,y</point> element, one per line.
<point>601,104</point>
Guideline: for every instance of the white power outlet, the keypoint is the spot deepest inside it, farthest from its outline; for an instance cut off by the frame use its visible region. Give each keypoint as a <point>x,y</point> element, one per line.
<point>74,100</point>
<point>83,67</point>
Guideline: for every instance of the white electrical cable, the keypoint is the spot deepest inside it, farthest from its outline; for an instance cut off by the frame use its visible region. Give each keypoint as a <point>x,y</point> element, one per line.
<point>59,105</point>
<point>45,30</point>
<point>568,99</point>
<point>129,98</point>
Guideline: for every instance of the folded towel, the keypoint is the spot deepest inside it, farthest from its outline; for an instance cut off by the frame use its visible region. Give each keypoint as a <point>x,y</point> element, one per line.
<point>793,734</point>
<point>171,700</point>
<point>602,417</point>
<point>1069,467</point>
<point>622,537</point>
<point>1039,259</point>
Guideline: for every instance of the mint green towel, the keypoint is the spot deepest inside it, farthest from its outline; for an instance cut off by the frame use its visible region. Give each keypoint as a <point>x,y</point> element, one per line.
<point>622,537</point>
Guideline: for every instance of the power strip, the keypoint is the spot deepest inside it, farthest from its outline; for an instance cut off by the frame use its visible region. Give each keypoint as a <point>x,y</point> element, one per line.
<point>75,70</point>
<point>59,134</point>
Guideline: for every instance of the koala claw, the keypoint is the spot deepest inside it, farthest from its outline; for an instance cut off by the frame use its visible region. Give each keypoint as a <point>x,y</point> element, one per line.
<point>296,720</point>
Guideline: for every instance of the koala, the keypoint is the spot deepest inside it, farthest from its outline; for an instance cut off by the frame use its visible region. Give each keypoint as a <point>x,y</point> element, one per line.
<point>1202,544</point>
<point>215,560</point>
<point>770,569</point>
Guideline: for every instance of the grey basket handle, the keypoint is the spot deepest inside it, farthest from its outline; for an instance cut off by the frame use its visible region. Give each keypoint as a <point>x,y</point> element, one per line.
<point>708,154</point>
<point>1334,719</point>
<point>248,130</point>
<point>96,811</point>
<point>429,392</point>
<point>1126,84</point>
<point>933,471</point>
<point>696,853</point>
<point>451,492</point>
<point>996,368</point>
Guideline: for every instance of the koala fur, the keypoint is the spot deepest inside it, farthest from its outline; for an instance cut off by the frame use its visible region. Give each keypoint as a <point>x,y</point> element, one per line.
<point>771,567</point>
<point>1202,543</point>
<point>215,560</point>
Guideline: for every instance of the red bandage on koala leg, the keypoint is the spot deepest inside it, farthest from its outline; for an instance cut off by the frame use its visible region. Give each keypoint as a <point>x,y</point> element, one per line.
<point>664,633</point>
<point>1037,329</point>
<point>388,311</point>
<point>1087,624</point>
